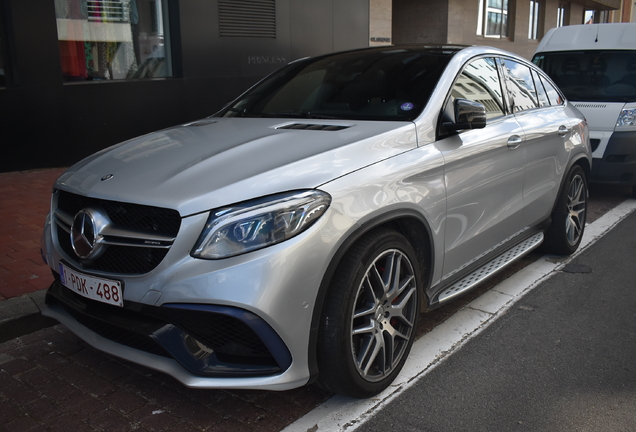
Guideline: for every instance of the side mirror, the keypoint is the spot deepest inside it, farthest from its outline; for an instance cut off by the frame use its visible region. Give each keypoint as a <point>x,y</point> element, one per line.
<point>468,115</point>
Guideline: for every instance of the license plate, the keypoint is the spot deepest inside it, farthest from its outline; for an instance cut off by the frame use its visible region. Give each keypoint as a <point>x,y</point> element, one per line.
<point>103,290</point>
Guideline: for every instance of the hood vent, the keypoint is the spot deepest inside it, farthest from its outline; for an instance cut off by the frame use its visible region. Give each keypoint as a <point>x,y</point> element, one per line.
<point>590,105</point>
<point>319,127</point>
<point>201,123</point>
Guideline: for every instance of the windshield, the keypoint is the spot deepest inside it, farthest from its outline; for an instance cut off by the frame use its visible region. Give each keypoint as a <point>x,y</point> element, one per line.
<point>390,84</point>
<point>603,76</point>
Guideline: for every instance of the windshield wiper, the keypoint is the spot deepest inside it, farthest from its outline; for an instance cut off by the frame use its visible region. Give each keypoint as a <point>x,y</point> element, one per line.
<point>243,112</point>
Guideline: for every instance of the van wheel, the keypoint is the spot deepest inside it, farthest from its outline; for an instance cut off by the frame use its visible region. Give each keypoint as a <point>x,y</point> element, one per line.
<point>568,216</point>
<point>370,315</point>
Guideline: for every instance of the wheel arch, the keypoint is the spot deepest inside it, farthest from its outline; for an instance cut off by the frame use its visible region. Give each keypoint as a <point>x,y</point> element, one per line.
<point>409,223</point>
<point>581,161</point>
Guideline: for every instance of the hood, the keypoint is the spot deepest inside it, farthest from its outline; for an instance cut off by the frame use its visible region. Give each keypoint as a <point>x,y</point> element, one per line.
<point>219,161</point>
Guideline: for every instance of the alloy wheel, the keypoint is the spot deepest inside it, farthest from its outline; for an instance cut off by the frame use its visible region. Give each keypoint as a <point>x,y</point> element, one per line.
<point>575,220</point>
<point>384,315</point>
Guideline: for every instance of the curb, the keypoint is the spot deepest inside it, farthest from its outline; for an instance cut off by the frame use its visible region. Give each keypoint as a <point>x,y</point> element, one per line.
<point>20,316</point>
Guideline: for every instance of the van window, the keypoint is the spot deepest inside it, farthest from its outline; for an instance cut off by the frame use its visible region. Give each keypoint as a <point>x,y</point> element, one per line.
<point>592,75</point>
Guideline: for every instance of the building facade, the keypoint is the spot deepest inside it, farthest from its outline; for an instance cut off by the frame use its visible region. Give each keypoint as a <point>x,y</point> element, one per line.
<point>77,76</point>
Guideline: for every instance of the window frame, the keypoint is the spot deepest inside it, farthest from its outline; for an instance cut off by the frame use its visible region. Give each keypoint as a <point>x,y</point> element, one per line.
<point>440,132</point>
<point>534,19</point>
<point>482,19</point>
<point>561,13</point>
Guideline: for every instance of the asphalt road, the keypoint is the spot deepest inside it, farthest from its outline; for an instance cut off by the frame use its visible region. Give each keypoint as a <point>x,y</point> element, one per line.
<point>562,359</point>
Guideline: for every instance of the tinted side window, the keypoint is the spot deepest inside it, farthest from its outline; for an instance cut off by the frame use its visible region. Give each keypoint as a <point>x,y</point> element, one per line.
<point>479,82</point>
<point>553,95</point>
<point>521,92</point>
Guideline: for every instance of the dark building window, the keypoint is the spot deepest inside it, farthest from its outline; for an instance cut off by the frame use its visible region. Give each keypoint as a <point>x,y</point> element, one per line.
<point>3,81</point>
<point>3,41</point>
<point>112,39</point>
<point>247,18</point>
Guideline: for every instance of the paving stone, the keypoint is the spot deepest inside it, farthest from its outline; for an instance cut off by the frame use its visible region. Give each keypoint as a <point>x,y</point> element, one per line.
<point>52,361</point>
<point>125,401</point>
<point>43,409</point>
<point>110,420</point>
<point>8,412</point>
<point>85,405</point>
<point>36,377</point>
<point>22,423</point>
<point>196,414</point>
<point>22,394</point>
<point>17,366</point>
<point>155,419</point>
<point>229,425</point>
<point>68,422</point>
<point>58,389</point>
<point>96,386</point>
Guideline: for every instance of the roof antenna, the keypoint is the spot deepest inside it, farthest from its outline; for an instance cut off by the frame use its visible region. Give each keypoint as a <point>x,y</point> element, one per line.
<point>596,40</point>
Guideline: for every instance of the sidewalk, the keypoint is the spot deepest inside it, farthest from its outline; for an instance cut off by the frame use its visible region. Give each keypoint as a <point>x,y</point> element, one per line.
<point>24,205</point>
<point>23,275</point>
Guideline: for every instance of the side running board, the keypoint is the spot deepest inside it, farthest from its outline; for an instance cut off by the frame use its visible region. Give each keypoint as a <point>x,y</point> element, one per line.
<point>491,267</point>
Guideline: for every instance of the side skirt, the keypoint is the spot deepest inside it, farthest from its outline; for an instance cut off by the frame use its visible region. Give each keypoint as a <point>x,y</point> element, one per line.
<point>490,268</point>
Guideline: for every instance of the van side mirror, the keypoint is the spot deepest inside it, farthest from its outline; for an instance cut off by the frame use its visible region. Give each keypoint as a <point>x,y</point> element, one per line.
<point>468,115</point>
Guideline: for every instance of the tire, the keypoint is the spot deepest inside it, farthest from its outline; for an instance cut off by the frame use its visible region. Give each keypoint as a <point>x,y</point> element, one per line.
<point>569,215</point>
<point>370,316</point>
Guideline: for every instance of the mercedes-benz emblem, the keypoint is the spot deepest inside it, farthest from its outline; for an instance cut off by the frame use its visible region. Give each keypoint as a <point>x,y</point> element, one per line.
<point>88,231</point>
<point>83,234</point>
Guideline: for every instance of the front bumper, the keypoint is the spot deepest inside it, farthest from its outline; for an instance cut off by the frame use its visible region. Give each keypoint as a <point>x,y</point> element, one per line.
<point>618,164</point>
<point>206,340</point>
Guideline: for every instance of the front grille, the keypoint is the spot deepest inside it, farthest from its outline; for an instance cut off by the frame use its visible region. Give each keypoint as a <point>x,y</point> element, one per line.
<point>135,216</point>
<point>120,259</point>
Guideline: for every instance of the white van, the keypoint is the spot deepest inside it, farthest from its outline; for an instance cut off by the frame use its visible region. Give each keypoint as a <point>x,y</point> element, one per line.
<point>595,67</point>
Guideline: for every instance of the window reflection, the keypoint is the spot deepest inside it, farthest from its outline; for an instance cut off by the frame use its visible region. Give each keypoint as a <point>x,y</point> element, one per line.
<point>111,40</point>
<point>520,86</point>
<point>479,82</point>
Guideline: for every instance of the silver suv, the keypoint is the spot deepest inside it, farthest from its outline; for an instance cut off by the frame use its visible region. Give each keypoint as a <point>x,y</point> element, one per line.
<point>297,234</point>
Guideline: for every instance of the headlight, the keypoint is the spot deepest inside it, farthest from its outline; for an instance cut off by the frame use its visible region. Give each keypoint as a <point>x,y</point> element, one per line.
<point>259,223</point>
<point>627,117</point>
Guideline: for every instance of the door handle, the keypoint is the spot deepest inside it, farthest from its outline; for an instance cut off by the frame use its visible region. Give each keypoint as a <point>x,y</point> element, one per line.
<point>514,141</point>
<point>563,131</point>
